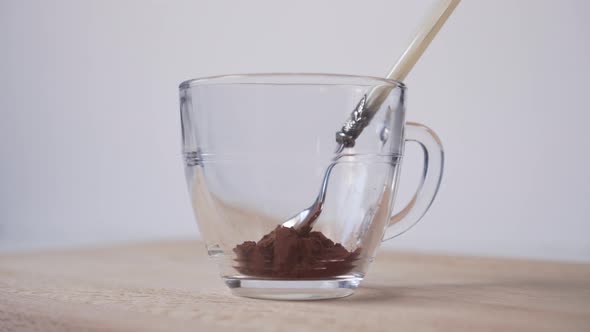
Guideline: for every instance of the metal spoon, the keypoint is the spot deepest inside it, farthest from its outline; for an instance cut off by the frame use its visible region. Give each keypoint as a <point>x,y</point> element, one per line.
<point>305,219</point>
<point>368,106</point>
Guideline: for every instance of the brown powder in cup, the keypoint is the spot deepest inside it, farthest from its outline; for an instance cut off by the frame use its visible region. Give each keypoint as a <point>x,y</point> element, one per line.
<point>287,254</point>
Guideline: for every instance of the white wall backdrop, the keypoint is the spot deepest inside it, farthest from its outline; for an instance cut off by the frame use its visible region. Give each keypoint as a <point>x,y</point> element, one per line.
<point>89,125</point>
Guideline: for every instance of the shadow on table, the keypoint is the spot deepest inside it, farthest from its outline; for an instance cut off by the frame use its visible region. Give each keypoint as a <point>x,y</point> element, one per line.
<point>449,292</point>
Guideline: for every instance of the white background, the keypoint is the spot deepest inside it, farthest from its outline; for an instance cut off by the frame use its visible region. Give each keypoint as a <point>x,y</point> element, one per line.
<point>89,125</point>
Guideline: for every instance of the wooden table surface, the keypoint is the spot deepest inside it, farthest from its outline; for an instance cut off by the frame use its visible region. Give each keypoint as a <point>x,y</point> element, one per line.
<point>171,286</point>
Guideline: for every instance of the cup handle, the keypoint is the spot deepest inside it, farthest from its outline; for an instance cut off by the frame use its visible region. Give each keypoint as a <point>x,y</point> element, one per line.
<point>429,184</point>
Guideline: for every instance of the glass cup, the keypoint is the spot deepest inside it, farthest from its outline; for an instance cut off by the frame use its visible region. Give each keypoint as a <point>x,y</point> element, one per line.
<point>257,149</point>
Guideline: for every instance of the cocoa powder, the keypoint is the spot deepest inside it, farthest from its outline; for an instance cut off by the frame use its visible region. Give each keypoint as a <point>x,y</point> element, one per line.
<point>288,254</point>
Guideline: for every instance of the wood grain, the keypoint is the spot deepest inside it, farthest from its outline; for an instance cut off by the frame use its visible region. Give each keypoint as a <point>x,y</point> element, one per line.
<point>171,286</point>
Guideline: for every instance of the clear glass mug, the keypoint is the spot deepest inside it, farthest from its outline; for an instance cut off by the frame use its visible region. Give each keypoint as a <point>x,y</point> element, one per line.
<point>256,149</point>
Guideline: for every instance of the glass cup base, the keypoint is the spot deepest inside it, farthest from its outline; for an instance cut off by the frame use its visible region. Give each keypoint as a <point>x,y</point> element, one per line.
<point>294,290</point>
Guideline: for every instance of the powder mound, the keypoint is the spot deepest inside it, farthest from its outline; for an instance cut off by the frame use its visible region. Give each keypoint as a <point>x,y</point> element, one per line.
<point>287,254</point>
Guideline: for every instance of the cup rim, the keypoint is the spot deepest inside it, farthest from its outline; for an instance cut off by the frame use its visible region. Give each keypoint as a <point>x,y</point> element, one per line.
<point>266,79</point>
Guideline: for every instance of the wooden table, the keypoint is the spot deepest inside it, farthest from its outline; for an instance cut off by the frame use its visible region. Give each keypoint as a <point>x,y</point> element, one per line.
<point>171,286</point>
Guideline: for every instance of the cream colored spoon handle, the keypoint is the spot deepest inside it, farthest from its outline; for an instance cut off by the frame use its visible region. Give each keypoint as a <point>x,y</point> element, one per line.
<point>422,39</point>
<point>370,103</point>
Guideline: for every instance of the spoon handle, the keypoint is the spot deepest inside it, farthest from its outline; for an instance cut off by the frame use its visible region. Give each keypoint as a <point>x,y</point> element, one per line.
<point>370,103</point>
<point>425,35</point>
